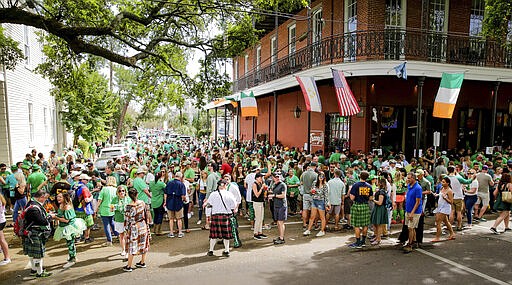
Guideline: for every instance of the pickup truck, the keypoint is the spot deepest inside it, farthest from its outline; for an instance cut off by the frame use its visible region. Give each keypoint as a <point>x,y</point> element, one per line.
<point>110,153</point>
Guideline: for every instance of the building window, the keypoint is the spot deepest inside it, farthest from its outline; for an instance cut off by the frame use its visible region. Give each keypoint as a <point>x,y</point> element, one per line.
<point>317,36</point>
<point>395,13</point>
<point>476,18</point>
<point>236,70</point>
<point>292,40</point>
<point>54,125</point>
<point>273,49</point>
<point>438,15</point>
<point>246,64</point>
<point>26,43</point>
<point>258,57</point>
<point>350,30</point>
<point>31,122</point>
<point>338,131</point>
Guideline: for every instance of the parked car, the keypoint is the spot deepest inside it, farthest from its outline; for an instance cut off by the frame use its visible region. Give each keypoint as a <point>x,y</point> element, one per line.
<point>110,153</point>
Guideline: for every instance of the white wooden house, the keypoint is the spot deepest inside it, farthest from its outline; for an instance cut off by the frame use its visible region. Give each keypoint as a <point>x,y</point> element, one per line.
<point>28,113</point>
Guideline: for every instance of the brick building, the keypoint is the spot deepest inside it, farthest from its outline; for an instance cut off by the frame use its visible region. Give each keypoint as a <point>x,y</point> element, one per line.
<point>366,39</point>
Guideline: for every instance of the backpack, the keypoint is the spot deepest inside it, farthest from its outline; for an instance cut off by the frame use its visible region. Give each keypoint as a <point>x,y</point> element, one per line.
<point>20,229</point>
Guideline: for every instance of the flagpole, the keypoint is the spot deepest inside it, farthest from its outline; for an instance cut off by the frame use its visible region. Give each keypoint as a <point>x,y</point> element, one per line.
<point>421,81</point>
<point>494,104</point>
<point>308,151</point>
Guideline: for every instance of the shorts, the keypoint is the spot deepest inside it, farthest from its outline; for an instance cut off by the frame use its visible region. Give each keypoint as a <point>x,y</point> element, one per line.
<point>335,210</point>
<point>415,220</point>
<point>2,226</point>
<point>319,204</point>
<point>347,204</point>
<point>89,221</point>
<point>119,227</point>
<point>457,205</point>
<point>175,214</point>
<point>483,198</point>
<point>307,201</point>
<point>280,213</point>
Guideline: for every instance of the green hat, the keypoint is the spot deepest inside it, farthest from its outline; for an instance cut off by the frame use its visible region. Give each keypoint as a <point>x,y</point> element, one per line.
<point>35,167</point>
<point>25,166</point>
<point>264,170</point>
<point>372,177</point>
<point>14,167</point>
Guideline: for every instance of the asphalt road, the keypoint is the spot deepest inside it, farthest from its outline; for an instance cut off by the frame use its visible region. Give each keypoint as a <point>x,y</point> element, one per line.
<point>476,257</point>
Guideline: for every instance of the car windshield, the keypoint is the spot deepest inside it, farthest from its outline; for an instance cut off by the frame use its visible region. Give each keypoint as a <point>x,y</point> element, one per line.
<point>111,153</point>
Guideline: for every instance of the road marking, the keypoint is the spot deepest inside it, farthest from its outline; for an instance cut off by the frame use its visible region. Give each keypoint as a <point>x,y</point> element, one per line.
<point>462,267</point>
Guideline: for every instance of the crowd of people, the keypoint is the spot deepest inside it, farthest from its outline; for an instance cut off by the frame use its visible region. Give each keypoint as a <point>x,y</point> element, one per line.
<point>66,197</point>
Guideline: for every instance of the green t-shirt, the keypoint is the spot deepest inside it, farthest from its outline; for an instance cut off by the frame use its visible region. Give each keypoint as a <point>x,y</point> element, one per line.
<point>157,193</point>
<point>106,196</point>
<point>4,176</point>
<point>35,179</point>
<point>140,185</point>
<point>189,174</point>
<point>119,208</point>
<point>294,180</point>
<point>335,157</point>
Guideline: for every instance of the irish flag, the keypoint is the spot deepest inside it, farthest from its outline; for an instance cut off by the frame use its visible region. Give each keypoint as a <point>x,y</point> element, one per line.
<point>248,105</point>
<point>310,93</point>
<point>447,95</point>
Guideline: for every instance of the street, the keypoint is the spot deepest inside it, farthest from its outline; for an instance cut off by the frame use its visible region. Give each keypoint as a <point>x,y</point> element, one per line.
<point>476,257</point>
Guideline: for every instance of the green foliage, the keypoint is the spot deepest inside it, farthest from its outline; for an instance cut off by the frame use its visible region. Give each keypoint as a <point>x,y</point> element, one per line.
<point>497,15</point>
<point>201,125</point>
<point>209,84</point>
<point>236,39</point>
<point>10,53</point>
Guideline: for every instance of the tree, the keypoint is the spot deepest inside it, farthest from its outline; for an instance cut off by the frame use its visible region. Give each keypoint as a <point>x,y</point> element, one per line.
<point>496,20</point>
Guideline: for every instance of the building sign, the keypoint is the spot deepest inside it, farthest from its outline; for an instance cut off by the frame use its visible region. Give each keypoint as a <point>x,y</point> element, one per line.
<point>317,138</point>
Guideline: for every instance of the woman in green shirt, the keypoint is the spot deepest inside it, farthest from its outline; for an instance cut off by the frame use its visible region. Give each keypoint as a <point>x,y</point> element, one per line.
<point>156,187</point>
<point>292,182</point>
<point>106,212</point>
<point>119,204</point>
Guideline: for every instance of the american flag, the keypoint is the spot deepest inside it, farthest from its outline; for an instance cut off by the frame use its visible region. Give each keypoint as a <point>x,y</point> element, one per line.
<point>347,104</point>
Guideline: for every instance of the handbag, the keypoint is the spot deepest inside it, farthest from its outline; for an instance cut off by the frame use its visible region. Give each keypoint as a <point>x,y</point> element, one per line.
<point>506,197</point>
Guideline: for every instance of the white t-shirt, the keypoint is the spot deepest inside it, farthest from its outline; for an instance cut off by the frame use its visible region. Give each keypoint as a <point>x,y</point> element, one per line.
<point>249,180</point>
<point>233,189</point>
<point>2,214</point>
<point>474,184</point>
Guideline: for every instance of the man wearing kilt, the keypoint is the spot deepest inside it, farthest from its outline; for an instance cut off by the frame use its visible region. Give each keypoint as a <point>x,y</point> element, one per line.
<point>37,223</point>
<point>361,193</point>
<point>222,204</point>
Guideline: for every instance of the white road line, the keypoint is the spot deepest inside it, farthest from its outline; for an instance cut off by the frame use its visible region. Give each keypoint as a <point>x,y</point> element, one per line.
<point>462,267</point>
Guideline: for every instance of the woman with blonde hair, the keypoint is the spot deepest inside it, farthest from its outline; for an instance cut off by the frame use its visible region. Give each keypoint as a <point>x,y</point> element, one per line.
<point>398,207</point>
<point>105,210</point>
<point>119,203</point>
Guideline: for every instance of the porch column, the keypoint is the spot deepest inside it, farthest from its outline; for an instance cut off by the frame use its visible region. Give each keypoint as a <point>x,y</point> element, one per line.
<point>421,81</point>
<point>494,103</point>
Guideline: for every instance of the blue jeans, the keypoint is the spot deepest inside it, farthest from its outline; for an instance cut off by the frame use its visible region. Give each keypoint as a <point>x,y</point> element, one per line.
<point>470,201</point>
<point>159,215</point>
<point>108,221</point>
<point>19,205</point>
<point>201,199</point>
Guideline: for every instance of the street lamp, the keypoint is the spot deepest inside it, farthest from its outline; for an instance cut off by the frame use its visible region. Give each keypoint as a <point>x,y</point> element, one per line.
<point>296,112</point>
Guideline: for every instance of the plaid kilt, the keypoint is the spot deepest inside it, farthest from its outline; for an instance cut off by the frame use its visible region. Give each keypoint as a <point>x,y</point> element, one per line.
<point>220,226</point>
<point>360,215</point>
<point>34,246</point>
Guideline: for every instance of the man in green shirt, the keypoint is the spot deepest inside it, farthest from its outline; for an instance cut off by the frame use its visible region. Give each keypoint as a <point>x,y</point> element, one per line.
<point>35,179</point>
<point>140,185</point>
<point>188,173</point>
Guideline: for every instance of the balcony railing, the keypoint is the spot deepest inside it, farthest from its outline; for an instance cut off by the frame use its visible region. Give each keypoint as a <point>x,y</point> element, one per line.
<point>389,44</point>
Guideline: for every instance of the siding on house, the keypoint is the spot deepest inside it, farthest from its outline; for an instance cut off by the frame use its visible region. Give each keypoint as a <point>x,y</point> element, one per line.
<point>25,88</point>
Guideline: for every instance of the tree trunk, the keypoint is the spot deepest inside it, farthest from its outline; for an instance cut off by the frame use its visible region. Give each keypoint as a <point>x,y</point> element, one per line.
<point>121,120</point>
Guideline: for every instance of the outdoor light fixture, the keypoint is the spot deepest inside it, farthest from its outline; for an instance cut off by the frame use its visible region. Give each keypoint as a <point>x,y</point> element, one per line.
<point>296,112</point>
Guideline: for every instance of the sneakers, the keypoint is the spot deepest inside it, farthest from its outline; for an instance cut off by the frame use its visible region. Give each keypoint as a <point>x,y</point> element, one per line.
<point>225,253</point>
<point>348,227</point>
<point>33,272</point>
<point>140,265</point>
<point>506,230</point>
<point>127,269</point>
<point>263,236</point>
<point>180,235</point>
<point>278,241</point>
<point>123,253</point>
<point>408,249</point>
<point>95,227</point>
<point>70,263</point>
<point>356,245</point>
<point>89,240</point>
<point>170,235</point>
<point>306,233</point>
<point>257,237</point>
<point>320,234</point>
<point>495,231</point>
<point>375,242</point>
<point>5,261</point>
<point>107,244</point>
<point>44,274</point>
<point>199,222</point>
<point>210,253</point>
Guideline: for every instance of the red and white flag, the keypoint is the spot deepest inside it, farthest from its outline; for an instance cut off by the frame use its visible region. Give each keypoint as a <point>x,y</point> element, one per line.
<point>347,104</point>
<point>310,92</point>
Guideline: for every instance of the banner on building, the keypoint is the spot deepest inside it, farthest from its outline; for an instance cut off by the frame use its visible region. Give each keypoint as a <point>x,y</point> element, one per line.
<point>248,105</point>
<point>347,104</point>
<point>447,95</point>
<point>310,92</point>
<point>317,138</point>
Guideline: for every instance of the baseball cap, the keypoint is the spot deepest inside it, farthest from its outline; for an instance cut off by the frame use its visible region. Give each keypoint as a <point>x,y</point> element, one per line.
<point>485,167</point>
<point>85,176</point>
<point>420,172</point>
<point>509,162</point>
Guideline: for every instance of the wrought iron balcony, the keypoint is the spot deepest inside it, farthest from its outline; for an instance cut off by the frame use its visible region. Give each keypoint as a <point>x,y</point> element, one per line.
<point>388,44</point>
